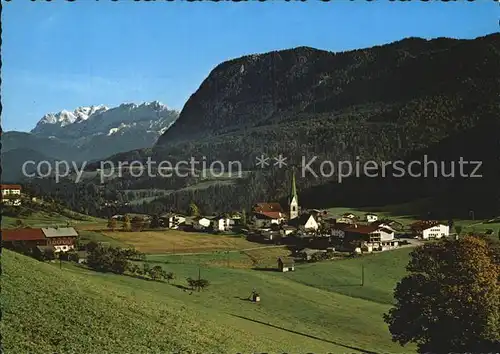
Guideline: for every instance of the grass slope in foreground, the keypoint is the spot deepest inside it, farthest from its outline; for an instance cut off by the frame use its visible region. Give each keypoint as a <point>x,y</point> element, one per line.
<point>47,309</point>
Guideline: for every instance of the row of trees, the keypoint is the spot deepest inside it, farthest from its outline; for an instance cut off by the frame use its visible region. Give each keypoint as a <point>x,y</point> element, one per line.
<point>117,260</point>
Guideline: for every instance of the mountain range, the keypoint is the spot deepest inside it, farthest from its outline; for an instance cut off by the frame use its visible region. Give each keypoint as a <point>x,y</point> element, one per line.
<point>398,101</point>
<point>87,133</point>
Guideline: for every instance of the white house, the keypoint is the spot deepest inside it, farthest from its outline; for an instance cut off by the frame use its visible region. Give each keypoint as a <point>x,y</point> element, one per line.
<point>172,221</point>
<point>307,221</point>
<point>221,223</point>
<point>435,231</point>
<point>430,229</point>
<point>11,194</point>
<point>201,223</point>
<point>371,217</point>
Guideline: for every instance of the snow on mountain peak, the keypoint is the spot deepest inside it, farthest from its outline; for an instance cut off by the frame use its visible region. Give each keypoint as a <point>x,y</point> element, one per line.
<point>101,120</point>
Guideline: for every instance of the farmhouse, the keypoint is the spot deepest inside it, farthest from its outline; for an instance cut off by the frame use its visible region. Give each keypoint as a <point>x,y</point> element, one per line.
<point>364,237</point>
<point>220,223</point>
<point>172,221</point>
<point>11,194</point>
<point>429,229</point>
<point>286,265</point>
<point>57,239</point>
<point>369,217</point>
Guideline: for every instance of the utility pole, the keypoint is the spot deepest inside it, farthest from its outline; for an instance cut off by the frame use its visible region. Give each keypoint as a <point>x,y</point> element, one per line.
<point>362,275</point>
<point>199,277</point>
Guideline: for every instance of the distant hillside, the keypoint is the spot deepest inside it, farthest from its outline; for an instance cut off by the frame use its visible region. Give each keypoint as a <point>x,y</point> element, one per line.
<point>13,161</point>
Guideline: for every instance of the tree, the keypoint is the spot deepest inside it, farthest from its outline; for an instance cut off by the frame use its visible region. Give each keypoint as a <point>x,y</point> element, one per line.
<point>134,269</point>
<point>191,282</point>
<point>137,223</point>
<point>202,284</point>
<point>146,269</point>
<point>126,223</point>
<point>112,224</point>
<point>19,223</point>
<point>108,259</point>
<point>169,276</point>
<point>156,272</point>
<point>155,222</point>
<point>193,209</point>
<point>244,217</point>
<point>450,301</point>
<point>197,284</point>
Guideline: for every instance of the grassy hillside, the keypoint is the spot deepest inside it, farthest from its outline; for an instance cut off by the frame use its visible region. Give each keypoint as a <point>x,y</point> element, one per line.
<point>47,309</point>
<point>47,218</point>
<point>382,272</point>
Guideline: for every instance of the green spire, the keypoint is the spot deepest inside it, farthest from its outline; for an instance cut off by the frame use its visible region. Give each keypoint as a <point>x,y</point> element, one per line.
<point>294,188</point>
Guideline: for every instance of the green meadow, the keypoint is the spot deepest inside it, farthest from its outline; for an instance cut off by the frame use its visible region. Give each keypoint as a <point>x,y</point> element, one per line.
<point>72,309</point>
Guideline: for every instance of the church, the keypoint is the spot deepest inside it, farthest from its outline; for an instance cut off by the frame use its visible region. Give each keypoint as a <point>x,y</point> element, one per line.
<point>267,214</point>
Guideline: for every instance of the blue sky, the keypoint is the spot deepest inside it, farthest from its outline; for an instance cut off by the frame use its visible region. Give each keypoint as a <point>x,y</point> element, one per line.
<point>61,55</point>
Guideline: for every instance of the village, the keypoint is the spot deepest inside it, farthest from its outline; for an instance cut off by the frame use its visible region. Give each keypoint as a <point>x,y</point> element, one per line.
<point>311,235</point>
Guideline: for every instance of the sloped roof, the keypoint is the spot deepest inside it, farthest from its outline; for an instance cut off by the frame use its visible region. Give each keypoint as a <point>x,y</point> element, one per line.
<point>286,261</point>
<point>267,207</point>
<point>22,235</point>
<point>424,224</point>
<point>10,186</point>
<point>60,232</point>
<point>366,229</point>
<point>301,220</point>
<point>310,251</point>
<point>269,215</point>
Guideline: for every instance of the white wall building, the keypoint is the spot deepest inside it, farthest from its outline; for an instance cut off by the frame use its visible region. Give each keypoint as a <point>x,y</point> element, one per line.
<point>436,231</point>
<point>11,194</point>
<point>221,224</point>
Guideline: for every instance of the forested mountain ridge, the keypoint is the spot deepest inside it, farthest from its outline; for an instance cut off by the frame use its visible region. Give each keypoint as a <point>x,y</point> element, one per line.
<point>386,100</point>
<point>393,102</point>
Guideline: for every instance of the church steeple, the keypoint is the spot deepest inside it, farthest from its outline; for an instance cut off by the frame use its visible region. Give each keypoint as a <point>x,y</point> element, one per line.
<point>293,193</point>
<point>294,199</point>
